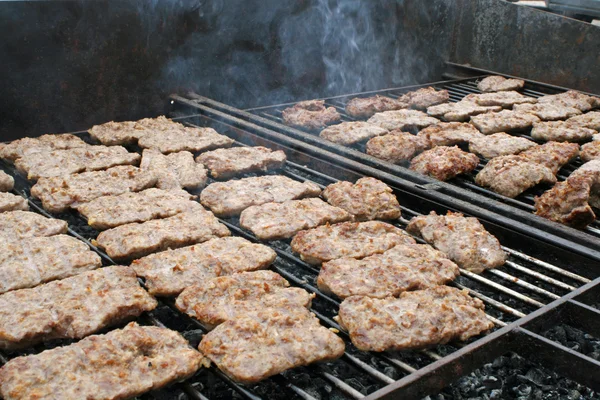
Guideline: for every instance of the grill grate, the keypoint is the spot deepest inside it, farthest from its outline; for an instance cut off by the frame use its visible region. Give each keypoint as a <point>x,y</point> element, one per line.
<point>525,286</point>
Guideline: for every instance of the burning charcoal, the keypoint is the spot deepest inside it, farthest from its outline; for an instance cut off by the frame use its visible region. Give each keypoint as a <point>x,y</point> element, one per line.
<point>194,337</point>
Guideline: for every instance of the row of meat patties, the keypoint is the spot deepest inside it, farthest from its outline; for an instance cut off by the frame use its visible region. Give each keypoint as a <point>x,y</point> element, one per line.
<point>53,286</point>
<point>491,126</point>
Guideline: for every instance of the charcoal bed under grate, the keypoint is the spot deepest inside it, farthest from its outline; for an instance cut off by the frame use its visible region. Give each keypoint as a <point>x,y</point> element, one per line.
<point>541,286</point>
<point>463,187</point>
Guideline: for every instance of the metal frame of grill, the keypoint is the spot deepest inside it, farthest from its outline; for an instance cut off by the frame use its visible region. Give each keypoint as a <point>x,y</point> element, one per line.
<point>541,285</point>
<point>463,187</point>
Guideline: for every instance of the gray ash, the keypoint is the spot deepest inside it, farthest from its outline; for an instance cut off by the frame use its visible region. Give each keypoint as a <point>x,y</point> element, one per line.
<point>514,377</point>
<point>576,340</point>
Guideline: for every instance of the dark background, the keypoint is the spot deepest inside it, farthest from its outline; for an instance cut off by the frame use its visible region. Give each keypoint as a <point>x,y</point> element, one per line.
<point>70,64</point>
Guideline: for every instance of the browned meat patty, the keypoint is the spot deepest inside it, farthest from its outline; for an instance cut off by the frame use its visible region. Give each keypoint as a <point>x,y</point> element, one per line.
<point>139,239</point>
<point>548,111</point>
<point>230,297</point>
<point>402,119</point>
<point>367,199</point>
<point>27,263</point>
<point>121,364</point>
<point>169,272</point>
<point>72,308</point>
<point>129,132</point>
<point>348,133</point>
<point>590,151</point>
<point>360,107</point>
<point>272,221</point>
<point>6,182</point>
<point>571,98</point>
<point>232,197</point>
<point>496,83</point>
<point>560,131</point>
<point>552,154</point>
<point>504,99</point>
<point>589,120</point>
<point>449,134</point>
<point>59,193</point>
<point>512,175</point>
<point>401,268</point>
<point>43,144</point>
<point>570,202</point>
<point>310,114</point>
<point>396,147</point>
<point>418,319</point>
<point>348,239</point>
<point>25,224</point>
<point>499,144</point>
<point>444,162</point>
<point>505,120</point>
<point>111,211</point>
<point>425,97</point>
<point>12,202</point>
<point>245,349</point>
<point>184,139</point>
<point>463,239</point>
<point>228,163</point>
<point>72,161</point>
<point>460,111</point>
<point>174,171</point>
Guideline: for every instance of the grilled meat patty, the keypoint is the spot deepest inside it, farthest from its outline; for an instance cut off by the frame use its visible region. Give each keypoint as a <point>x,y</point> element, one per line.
<point>449,134</point>
<point>272,221</point>
<point>121,364</point>
<point>266,342</point>
<point>43,144</point>
<point>110,211</point>
<point>589,120</point>
<point>463,239</point>
<point>139,239</point>
<point>570,202</point>
<point>402,119</point>
<point>29,262</point>
<point>548,111</point>
<point>12,202</point>
<point>230,297</point>
<point>496,83</point>
<point>499,144</point>
<point>184,139</point>
<point>512,175</point>
<point>59,193</point>
<point>505,99</point>
<point>25,224</point>
<point>403,267</point>
<point>443,162</point>
<point>571,98</point>
<point>418,319</point>
<point>73,308</point>
<point>348,239</point>
<point>365,107</point>
<point>310,114</point>
<point>460,111</point>
<point>129,132</point>
<point>590,151</point>
<point>552,154</point>
<point>232,197</point>
<point>348,133</point>
<point>6,182</point>
<point>72,161</point>
<point>424,97</point>
<point>396,147</point>
<point>561,131</point>
<point>174,171</point>
<point>228,163</point>
<point>505,120</point>
<point>367,199</point>
<point>169,272</point>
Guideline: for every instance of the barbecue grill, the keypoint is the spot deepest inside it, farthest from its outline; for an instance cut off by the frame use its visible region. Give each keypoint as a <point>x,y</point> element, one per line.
<point>541,286</point>
<point>463,187</point>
